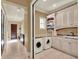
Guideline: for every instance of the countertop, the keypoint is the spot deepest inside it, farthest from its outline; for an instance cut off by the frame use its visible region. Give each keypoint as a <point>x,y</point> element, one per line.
<point>68,37</point>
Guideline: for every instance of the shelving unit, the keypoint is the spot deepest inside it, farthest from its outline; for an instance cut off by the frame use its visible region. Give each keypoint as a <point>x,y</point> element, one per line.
<point>50,24</point>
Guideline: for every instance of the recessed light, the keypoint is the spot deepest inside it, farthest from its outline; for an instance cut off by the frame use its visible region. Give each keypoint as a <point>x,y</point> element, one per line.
<point>18,9</point>
<point>54,5</point>
<point>44,0</point>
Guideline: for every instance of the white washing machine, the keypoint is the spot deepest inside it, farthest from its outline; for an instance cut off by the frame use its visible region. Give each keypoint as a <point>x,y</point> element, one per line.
<point>38,45</point>
<point>47,42</point>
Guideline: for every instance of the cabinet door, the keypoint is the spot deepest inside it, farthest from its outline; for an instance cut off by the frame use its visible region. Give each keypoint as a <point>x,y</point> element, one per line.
<point>65,45</point>
<point>56,43</point>
<point>74,47</point>
<point>59,19</point>
<point>75,15</point>
<point>70,16</point>
<point>66,16</point>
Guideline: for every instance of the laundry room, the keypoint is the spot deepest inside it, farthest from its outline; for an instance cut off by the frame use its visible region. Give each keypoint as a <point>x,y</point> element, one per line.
<point>56,29</point>
<point>39,29</point>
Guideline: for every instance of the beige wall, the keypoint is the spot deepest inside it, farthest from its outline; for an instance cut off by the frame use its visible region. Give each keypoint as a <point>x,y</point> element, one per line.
<point>68,31</point>
<point>9,28</point>
<point>38,31</point>
<point>27,28</point>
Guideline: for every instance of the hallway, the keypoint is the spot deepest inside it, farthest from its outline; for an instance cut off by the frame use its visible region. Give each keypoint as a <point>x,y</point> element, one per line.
<point>13,49</point>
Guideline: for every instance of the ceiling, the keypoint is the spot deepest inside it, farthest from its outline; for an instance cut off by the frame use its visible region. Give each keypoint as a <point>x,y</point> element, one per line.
<point>14,12</point>
<point>47,6</point>
<point>20,2</point>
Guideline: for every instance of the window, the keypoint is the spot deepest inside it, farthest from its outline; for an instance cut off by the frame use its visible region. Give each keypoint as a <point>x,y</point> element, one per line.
<point>42,23</point>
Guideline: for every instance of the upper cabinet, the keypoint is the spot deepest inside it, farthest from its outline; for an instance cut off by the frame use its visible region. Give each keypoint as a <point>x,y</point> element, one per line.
<point>59,20</point>
<point>67,17</point>
<point>76,15</point>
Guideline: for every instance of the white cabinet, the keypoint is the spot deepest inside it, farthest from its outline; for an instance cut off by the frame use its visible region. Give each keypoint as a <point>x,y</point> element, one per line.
<point>72,16</point>
<point>75,15</point>
<point>65,21</point>
<point>70,46</point>
<point>56,43</point>
<point>66,45</point>
<point>59,20</point>
<point>67,17</point>
<point>74,47</point>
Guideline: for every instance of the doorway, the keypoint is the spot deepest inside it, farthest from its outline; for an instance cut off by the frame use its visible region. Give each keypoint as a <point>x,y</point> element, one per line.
<point>13,31</point>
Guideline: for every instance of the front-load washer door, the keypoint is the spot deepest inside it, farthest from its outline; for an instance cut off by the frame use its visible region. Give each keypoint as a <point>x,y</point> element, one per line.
<point>38,45</point>
<point>47,42</point>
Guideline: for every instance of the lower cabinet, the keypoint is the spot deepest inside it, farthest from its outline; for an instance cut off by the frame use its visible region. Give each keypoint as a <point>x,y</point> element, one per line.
<point>74,47</point>
<point>70,46</point>
<point>56,43</point>
<point>66,45</point>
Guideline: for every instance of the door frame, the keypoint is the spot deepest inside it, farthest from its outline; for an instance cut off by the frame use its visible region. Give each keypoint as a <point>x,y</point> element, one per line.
<point>32,16</point>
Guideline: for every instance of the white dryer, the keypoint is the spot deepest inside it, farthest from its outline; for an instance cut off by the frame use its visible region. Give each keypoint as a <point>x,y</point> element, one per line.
<point>47,42</point>
<point>38,45</point>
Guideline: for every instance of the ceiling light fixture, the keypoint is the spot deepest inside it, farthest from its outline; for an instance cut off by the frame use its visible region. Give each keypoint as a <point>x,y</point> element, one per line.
<point>44,0</point>
<point>18,9</point>
<point>54,5</point>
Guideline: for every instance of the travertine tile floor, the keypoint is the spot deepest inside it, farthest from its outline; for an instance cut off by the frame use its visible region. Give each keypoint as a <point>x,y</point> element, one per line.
<point>53,54</point>
<point>14,50</point>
